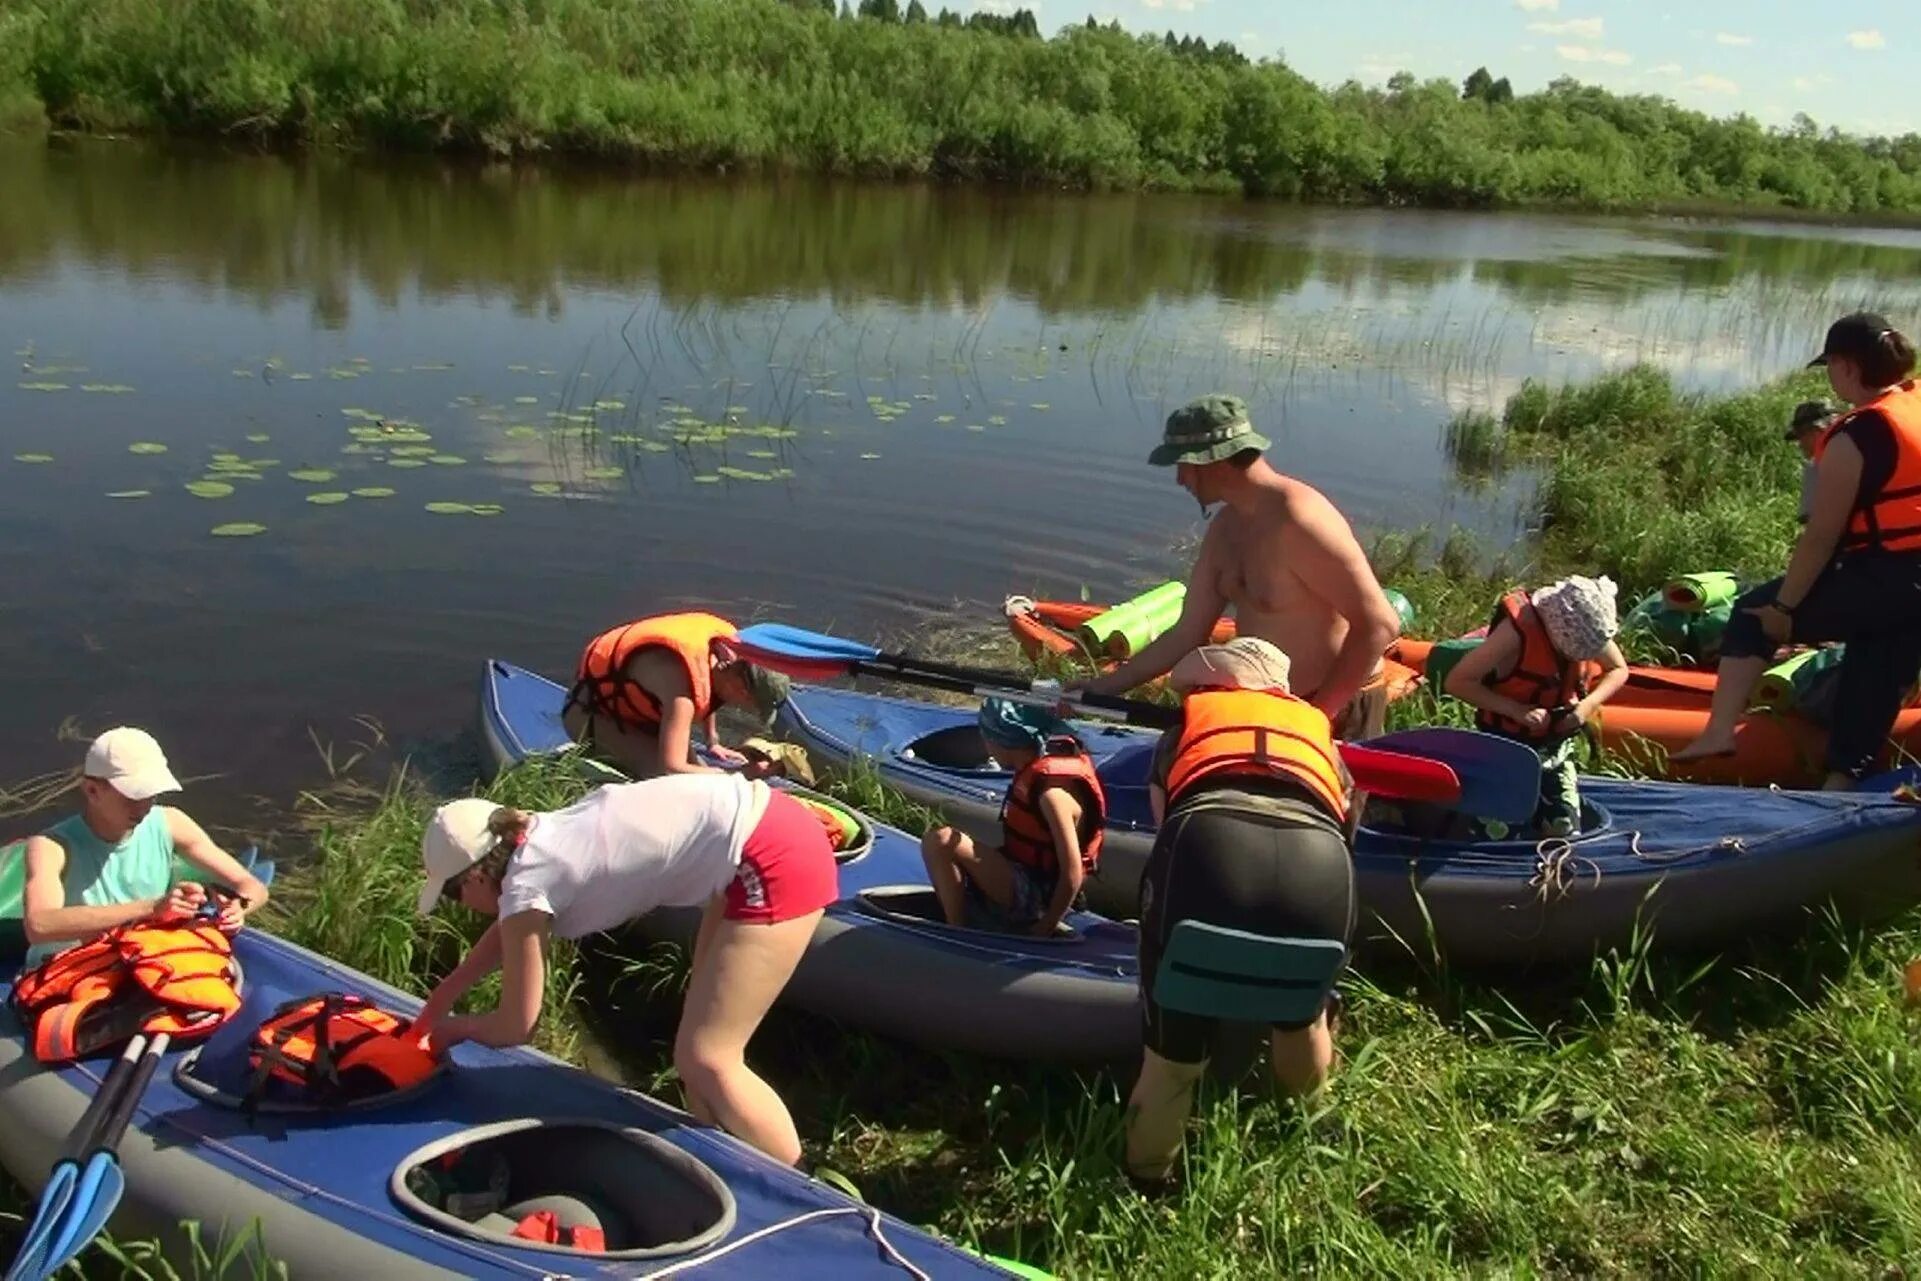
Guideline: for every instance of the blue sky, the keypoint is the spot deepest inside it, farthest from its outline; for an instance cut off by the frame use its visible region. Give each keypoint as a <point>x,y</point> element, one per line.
<point>1769,58</point>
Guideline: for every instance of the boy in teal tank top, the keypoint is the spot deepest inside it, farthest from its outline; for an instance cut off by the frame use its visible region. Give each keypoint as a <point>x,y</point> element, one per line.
<point>112,863</point>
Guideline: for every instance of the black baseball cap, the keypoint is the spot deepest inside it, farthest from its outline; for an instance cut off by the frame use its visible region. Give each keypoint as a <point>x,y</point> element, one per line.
<point>1808,415</point>
<point>1857,334</point>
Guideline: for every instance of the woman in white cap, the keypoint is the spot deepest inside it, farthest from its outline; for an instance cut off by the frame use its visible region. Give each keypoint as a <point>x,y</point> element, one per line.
<point>113,862</point>
<point>756,859</point>
<point>1530,680</point>
<point>1252,800</point>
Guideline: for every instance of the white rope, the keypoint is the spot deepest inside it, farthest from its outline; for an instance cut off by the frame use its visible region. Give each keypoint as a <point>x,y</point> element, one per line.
<point>873,1225</point>
<point>1019,606</point>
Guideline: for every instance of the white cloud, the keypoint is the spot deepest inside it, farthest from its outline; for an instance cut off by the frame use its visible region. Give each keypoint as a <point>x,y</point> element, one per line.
<point>1581,53</point>
<point>1712,84</point>
<point>1665,69</point>
<point>1723,37</point>
<point>1805,83</point>
<point>1538,6</point>
<point>1580,28</point>
<point>1869,39</point>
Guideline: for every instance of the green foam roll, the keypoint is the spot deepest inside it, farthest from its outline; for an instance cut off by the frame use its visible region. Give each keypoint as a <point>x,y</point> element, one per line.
<point>1132,625</point>
<point>1698,593</point>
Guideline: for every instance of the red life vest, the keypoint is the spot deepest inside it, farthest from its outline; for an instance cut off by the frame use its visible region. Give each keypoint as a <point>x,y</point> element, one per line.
<point>338,1048</point>
<point>1890,520</point>
<point>1258,733</point>
<point>1542,676</point>
<point>545,1226</point>
<point>148,977</point>
<point>1025,836</point>
<point>603,687</point>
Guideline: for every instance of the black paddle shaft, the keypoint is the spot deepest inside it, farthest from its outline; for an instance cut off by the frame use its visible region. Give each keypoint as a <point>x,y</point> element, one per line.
<point>90,1122</point>
<point>977,680</point>
<point>121,1116</point>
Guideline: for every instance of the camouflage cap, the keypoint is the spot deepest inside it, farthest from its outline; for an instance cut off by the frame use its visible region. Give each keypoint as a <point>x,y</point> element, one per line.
<point>1206,431</point>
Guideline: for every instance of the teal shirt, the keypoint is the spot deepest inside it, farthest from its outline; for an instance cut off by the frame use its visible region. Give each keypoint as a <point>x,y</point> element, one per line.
<point>99,875</point>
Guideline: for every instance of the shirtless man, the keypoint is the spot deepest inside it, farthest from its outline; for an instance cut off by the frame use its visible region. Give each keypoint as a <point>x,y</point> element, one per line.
<point>1285,559</point>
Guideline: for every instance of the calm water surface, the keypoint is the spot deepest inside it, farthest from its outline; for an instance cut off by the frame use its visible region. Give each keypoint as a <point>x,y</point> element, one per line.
<point>842,405</point>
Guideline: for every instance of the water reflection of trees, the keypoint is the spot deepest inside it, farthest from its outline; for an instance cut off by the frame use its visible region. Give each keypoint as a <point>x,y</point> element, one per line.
<point>326,227</point>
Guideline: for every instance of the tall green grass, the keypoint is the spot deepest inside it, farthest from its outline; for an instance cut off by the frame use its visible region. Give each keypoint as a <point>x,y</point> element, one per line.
<point>763,83</point>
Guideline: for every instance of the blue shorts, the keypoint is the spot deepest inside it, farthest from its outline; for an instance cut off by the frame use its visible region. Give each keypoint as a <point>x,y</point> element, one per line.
<point>1033,895</point>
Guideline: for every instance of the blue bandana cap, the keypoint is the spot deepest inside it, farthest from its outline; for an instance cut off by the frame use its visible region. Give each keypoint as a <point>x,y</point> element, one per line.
<point>1007,723</point>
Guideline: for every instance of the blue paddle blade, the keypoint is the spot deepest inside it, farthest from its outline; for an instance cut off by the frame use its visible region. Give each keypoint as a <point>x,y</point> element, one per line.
<point>95,1198</point>
<point>798,643</point>
<point>31,1259</point>
<point>1500,778</point>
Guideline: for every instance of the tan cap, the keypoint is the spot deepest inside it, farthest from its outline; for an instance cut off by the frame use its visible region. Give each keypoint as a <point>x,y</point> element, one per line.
<point>1246,662</point>
<point>456,838</point>
<point>132,763</point>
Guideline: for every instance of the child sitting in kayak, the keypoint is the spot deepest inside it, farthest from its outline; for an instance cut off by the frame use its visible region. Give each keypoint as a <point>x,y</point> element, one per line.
<point>1530,680</point>
<point>1051,825</point>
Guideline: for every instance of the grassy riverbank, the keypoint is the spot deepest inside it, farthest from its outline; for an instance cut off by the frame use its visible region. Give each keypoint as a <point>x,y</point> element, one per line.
<point>723,84</point>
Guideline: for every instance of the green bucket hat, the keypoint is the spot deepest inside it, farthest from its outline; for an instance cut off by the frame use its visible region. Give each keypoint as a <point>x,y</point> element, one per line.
<point>1206,431</point>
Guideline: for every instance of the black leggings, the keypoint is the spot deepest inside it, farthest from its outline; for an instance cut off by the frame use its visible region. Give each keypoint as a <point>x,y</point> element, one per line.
<point>1275,871</point>
<point>1873,603</point>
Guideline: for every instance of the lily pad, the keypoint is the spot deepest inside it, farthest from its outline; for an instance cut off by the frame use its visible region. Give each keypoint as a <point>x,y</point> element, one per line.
<point>111,389</point>
<point>604,473</point>
<point>301,378</point>
<point>869,457</point>
<point>239,529</point>
<point>500,459</point>
<point>311,475</point>
<point>545,487</point>
<point>943,418</point>
<point>369,491</point>
<point>406,462</point>
<point>210,489</point>
<point>328,499</point>
<point>146,447</point>
<point>43,386</point>
<point>707,480</point>
<point>997,420</point>
<point>226,458</point>
<point>257,437</point>
<point>448,460</point>
<point>526,400</point>
<point>741,473</point>
<point>450,509</point>
<point>975,427</point>
<point>33,458</point>
<point>486,509</point>
<point>762,453</point>
<point>521,431</point>
<point>1040,405</point>
<point>413,451</point>
<point>130,493</point>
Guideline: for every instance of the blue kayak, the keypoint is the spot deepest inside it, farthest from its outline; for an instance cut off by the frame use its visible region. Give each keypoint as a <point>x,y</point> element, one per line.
<point>341,1193</point>
<point>882,958</point>
<point>1702,865</point>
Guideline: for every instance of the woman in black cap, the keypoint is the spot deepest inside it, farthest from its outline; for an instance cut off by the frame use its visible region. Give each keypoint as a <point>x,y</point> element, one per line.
<point>1855,574</point>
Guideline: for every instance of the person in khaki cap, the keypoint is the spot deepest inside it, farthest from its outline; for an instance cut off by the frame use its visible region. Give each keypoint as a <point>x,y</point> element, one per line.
<point>1285,559</point>
<point>113,862</point>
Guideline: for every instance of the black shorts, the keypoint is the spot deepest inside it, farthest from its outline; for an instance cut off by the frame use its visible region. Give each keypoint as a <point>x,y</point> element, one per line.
<point>1277,870</point>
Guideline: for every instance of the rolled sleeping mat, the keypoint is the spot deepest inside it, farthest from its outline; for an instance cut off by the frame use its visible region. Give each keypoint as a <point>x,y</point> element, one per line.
<point>1442,658</point>
<point>1132,625</point>
<point>1784,686</point>
<point>1695,593</point>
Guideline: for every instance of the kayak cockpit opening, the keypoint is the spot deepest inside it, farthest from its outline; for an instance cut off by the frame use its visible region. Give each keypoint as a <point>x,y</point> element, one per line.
<point>570,1187</point>
<point>920,905</point>
<point>1425,823</point>
<point>958,747</point>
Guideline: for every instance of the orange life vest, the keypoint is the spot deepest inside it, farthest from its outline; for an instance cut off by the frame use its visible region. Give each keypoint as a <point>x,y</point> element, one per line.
<point>148,977</point>
<point>1262,733</point>
<point>1025,836</point>
<point>1891,520</point>
<point>545,1226</point>
<point>603,688</point>
<point>1542,676</point>
<point>337,1048</point>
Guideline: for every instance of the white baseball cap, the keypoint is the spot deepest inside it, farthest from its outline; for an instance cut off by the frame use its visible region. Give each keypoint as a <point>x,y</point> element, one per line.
<point>131,762</point>
<point>1246,662</point>
<point>456,838</point>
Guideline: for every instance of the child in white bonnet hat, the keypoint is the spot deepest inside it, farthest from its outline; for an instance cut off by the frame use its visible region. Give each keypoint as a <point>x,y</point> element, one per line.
<point>1530,680</point>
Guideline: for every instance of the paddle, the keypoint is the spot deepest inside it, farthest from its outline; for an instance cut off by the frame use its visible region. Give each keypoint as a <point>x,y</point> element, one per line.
<point>1481,774</point>
<point>102,1183</point>
<point>30,1260</point>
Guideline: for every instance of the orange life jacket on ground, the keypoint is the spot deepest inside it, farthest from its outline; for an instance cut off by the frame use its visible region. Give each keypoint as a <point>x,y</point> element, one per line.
<point>545,1226</point>
<point>1257,733</point>
<point>603,688</point>
<point>1025,836</point>
<point>338,1048</point>
<point>1542,676</point>
<point>177,978</point>
<point>1891,520</point>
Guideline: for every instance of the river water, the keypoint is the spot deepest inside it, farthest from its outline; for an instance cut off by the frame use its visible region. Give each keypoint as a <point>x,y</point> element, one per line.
<point>840,405</point>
